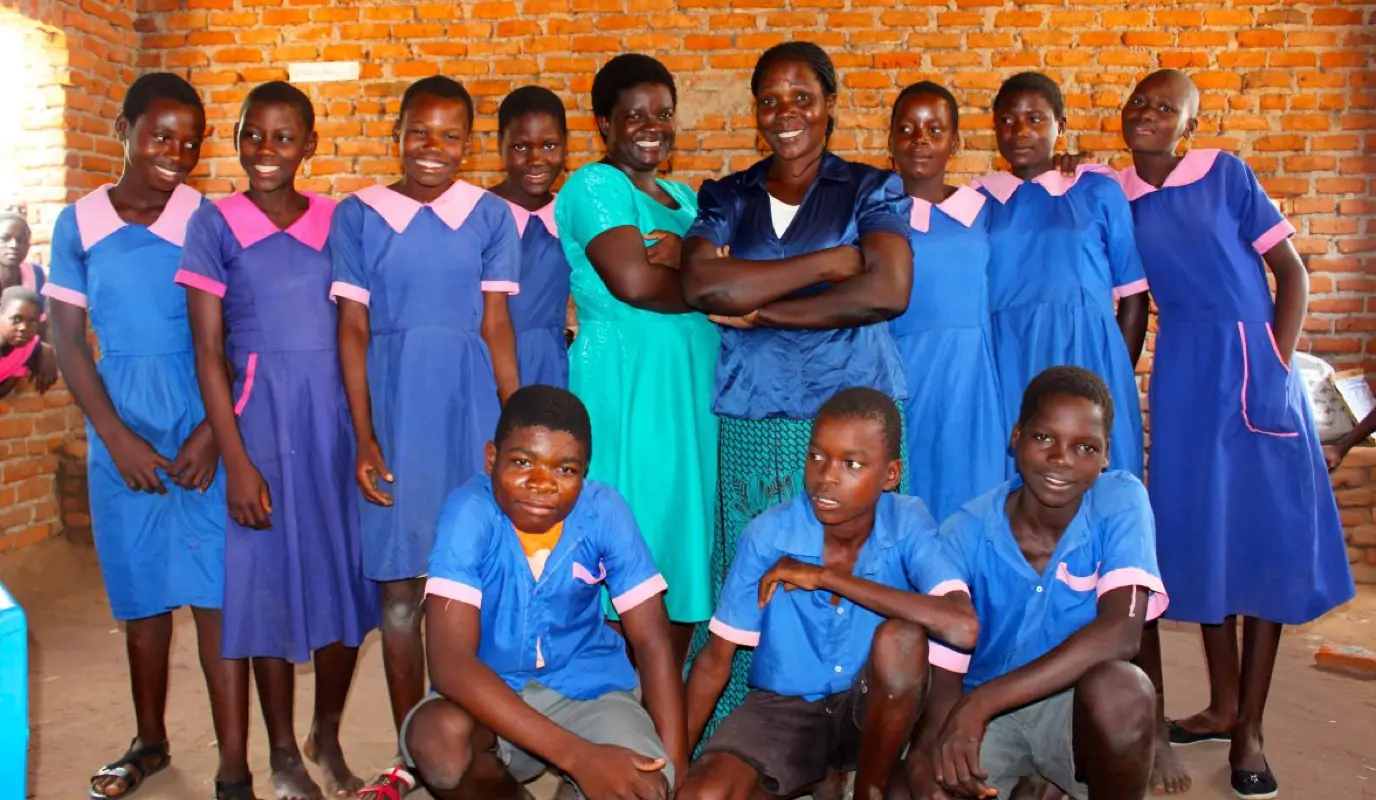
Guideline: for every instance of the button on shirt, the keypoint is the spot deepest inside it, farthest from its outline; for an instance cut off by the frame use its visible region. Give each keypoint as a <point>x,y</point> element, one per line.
<point>548,629</point>
<point>1111,543</point>
<point>805,646</point>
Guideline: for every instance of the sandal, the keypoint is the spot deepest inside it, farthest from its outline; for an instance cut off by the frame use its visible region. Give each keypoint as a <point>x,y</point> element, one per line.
<point>130,769</point>
<point>241,789</point>
<point>394,784</point>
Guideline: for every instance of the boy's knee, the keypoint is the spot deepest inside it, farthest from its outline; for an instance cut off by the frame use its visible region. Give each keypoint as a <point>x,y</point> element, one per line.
<point>439,742</point>
<point>898,656</point>
<point>716,777</point>
<point>1119,702</point>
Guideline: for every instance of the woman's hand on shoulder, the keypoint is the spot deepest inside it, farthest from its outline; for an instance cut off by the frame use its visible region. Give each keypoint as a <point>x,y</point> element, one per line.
<point>1067,163</point>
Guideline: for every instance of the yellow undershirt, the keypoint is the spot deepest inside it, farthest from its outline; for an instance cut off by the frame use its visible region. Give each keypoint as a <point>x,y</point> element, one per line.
<point>537,547</point>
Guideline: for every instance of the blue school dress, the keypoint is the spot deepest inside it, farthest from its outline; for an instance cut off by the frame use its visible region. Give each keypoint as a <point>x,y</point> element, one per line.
<point>1062,252</point>
<point>299,586</point>
<point>1245,513</point>
<point>539,313</point>
<point>422,271</point>
<point>157,552</point>
<point>956,440</point>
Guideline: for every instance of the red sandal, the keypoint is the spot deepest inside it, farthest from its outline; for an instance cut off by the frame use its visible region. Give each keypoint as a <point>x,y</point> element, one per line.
<point>394,784</point>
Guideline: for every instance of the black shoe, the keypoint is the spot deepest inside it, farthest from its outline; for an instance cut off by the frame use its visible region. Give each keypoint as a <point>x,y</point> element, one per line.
<point>1183,737</point>
<point>1255,785</point>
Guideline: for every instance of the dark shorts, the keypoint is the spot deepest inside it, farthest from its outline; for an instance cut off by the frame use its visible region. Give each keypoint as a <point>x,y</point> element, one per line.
<point>794,744</point>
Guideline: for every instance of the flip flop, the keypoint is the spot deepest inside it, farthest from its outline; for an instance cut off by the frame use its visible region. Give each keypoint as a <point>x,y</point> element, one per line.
<point>129,769</point>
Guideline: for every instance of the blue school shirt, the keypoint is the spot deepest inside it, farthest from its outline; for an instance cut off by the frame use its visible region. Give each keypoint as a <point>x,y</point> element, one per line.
<point>477,559</point>
<point>805,646</point>
<point>767,373</point>
<point>1111,543</point>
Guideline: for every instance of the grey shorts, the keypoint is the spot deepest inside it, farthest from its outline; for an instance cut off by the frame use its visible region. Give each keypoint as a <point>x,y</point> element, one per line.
<point>615,718</point>
<point>1035,739</point>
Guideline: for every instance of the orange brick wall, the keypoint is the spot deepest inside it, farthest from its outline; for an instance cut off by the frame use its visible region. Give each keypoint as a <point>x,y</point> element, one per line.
<point>1285,86</point>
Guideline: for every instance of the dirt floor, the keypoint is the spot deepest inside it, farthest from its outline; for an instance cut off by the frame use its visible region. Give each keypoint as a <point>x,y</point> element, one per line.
<point>1321,727</point>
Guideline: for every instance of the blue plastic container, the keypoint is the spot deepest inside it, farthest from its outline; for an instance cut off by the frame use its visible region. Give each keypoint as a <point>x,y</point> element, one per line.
<point>14,698</point>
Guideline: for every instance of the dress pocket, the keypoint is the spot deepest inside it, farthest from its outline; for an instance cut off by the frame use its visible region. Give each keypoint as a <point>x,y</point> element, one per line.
<point>1265,395</point>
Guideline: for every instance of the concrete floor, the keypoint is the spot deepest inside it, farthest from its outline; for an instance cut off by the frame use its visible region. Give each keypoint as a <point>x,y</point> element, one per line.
<point>1321,728</point>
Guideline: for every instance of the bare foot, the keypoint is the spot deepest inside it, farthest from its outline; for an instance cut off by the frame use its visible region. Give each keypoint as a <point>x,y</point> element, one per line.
<point>1208,721</point>
<point>340,781</point>
<point>1168,775</point>
<point>290,781</point>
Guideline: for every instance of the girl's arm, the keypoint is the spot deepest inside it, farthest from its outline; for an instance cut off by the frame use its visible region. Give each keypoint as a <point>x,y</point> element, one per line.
<point>622,262</point>
<point>247,493</point>
<point>881,292</point>
<point>716,283</point>
<point>138,463</point>
<point>353,334</point>
<point>1335,453</point>
<point>1292,296</point>
<point>501,343</point>
<point>706,681</point>
<point>647,631</point>
<point>1132,322</point>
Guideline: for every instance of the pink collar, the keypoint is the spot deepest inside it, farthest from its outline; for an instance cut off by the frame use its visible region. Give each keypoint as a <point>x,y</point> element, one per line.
<point>452,207</point>
<point>1193,166</point>
<point>250,225</point>
<point>96,217</point>
<point>16,363</point>
<point>963,207</point>
<point>28,276</point>
<point>1002,185</point>
<point>545,214</point>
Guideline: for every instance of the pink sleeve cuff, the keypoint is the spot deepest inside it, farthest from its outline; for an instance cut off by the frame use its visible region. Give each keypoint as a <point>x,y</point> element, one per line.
<point>504,287</point>
<point>1157,601</point>
<point>949,587</point>
<point>939,655</point>
<point>453,590</point>
<point>734,635</point>
<point>195,280</point>
<point>1279,232</point>
<point>350,292</point>
<point>68,296</point>
<point>648,588</point>
<point>1130,289</point>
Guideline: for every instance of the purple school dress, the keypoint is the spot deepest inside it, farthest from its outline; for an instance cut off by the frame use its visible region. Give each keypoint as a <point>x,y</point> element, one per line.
<point>298,586</point>
<point>540,311</point>
<point>1245,517</point>
<point>422,270</point>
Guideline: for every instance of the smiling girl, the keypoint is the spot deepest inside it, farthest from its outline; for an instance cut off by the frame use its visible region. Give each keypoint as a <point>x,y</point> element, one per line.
<point>160,547</point>
<point>956,442</point>
<point>803,257</point>
<point>534,138</point>
<point>1062,253</point>
<point>642,362</point>
<point>422,272</point>
<point>257,273</point>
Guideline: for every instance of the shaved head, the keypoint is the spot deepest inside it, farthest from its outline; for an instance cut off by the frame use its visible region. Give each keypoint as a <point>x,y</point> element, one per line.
<point>1180,85</point>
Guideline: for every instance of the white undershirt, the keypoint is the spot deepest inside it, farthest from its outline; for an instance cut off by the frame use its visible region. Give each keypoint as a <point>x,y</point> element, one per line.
<point>781,214</point>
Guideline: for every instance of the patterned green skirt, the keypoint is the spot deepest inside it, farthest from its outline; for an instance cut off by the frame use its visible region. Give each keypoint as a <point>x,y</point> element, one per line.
<point>760,465</point>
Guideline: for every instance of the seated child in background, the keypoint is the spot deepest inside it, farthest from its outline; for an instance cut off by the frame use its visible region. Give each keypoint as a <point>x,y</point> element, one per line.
<point>1061,563</point>
<point>526,674</point>
<point>832,681</point>
<point>20,345</point>
<point>17,270</point>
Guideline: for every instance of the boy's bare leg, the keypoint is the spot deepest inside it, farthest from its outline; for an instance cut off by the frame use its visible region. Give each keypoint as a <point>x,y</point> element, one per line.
<point>1114,730</point>
<point>455,757</point>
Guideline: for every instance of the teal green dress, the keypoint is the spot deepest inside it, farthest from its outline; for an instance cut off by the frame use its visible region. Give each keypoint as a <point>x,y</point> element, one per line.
<point>647,380</point>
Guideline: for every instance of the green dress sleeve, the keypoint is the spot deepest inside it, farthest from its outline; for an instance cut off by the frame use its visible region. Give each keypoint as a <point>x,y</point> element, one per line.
<point>594,200</point>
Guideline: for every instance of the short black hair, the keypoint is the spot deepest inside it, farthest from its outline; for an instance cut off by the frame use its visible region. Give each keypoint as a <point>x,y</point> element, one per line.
<point>1067,381</point>
<point>21,294</point>
<point>810,54</point>
<point>932,88</point>
<point>627,71</point>
<point>285,93</point>
<point>531,100</point>
<point>1032,82</point>
<point>861,402</point>
<point>15,216</point>
<point>150,87</point>
<point>437,86</point>
<point>541,406</point>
